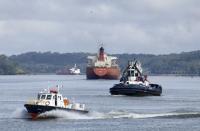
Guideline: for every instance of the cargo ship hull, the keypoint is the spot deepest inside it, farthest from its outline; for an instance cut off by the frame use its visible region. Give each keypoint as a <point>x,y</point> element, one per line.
<point>112,73</point>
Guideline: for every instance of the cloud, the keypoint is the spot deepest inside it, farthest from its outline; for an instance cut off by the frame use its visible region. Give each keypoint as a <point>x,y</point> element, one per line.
<point>131,26</point>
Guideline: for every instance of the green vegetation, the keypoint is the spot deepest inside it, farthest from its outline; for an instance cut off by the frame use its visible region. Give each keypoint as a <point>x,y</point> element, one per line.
<point>7,67</point>
<point>178,64</point>
<point>36,62</point>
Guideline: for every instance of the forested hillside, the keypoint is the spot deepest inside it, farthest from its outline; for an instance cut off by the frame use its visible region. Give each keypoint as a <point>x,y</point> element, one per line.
<point>7,67</point>
<point>186,63</point>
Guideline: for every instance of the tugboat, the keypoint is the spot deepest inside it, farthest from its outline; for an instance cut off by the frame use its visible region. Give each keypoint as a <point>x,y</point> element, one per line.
<point>102,66</point>
<point>51,99</point>
<point>133,83</point>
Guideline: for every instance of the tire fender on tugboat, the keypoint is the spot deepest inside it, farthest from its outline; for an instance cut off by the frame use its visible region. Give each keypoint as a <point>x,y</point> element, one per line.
<point>47,103</point>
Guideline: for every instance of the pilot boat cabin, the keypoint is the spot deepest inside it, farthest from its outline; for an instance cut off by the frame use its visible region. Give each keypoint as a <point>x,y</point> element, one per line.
<point>53,98</point>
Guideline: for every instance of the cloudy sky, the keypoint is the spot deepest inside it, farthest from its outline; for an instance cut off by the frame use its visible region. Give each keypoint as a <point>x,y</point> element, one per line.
<point>123,26</point>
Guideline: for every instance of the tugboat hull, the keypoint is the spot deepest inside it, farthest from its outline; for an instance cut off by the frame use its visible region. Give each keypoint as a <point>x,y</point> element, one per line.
<point>38,109</point>
<point>136,90</point>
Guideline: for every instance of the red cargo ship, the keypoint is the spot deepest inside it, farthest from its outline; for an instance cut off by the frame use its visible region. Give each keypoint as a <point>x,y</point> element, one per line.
<point>102,66</point>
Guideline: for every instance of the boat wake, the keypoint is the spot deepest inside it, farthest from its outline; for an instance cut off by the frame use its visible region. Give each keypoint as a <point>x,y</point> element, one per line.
<point>62,114</point>
<point>22,114</point>
<point>114,114</point>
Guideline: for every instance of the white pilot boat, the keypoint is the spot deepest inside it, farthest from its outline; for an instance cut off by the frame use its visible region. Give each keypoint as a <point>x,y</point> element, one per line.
<point>51,99</point>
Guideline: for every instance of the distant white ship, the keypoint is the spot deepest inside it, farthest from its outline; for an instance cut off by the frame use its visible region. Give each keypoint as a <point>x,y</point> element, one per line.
<point>66,71</point>
<point>74,70</point>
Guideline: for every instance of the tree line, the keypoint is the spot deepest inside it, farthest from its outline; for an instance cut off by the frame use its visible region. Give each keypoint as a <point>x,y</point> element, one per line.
<point>9,67</point>
<point>185,63</point>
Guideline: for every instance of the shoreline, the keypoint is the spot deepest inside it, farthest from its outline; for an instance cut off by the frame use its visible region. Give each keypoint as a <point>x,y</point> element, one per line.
<point>178,75</point>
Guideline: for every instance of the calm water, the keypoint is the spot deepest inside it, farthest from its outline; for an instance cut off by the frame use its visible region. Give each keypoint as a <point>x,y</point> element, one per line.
<point>177,109</point>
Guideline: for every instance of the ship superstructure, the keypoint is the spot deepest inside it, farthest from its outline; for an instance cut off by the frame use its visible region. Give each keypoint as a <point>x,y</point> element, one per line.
<point>74,70</point>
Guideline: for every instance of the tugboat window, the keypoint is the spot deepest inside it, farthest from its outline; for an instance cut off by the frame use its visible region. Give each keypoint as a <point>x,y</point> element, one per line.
<point>38,96</point>
<point>48,97</point>
<point>132,73</point>
<point>129,73</point>
<point>43,96</point>
<point>59,97</point>
<point>136,74</point>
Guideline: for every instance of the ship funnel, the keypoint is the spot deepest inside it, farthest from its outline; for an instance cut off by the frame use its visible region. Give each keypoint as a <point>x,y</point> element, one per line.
<point>101,54</point>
